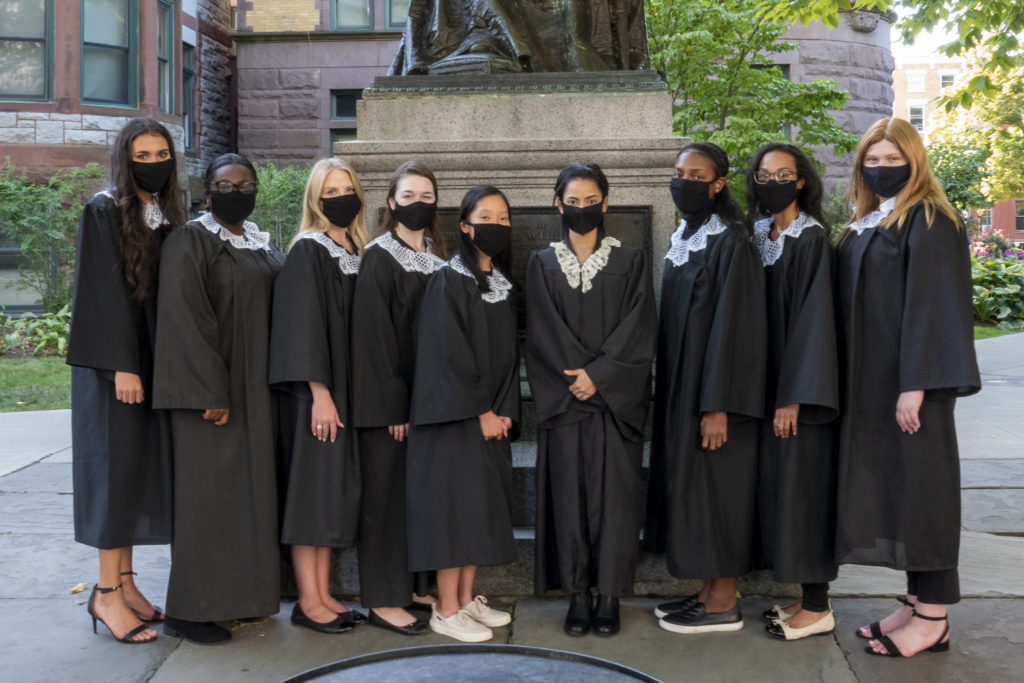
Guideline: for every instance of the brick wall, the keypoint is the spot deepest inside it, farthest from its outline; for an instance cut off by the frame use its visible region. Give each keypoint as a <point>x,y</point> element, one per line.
<point>283,15</point>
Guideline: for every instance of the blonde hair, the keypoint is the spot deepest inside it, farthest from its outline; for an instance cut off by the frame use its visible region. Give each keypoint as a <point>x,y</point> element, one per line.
<point>921,188</point>
<point>313,219</point>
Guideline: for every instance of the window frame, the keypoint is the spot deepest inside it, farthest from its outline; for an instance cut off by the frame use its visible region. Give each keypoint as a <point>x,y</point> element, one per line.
<point>1018,214</point>
<point>170,43</point>
<point>132,70</point>
<point>188,81</point>
<point>920,77</point>
<point>388,4</point>
<point>370,19</point>
<point>48,58</point>
<point>923,106</point>
<point>947,74</point>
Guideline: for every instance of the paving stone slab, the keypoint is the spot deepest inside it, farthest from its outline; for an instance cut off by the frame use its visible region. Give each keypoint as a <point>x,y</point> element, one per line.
<point>986,473</point>
<point>30,436</point>
<point>38,478</point>
<point>36,513</point>
<point>993,510</point>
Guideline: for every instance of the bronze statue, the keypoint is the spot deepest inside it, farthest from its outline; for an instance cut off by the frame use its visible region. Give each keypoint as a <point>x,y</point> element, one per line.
<point>514,36</point>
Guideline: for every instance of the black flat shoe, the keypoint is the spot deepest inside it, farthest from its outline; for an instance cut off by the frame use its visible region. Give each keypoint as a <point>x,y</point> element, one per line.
<point>353,617</point>
<point>332,627</point>
<point>198,632</point>
<point>416,628</point>
<point>940,645</point>
<point>667,608</point>
<point>606,616</point>
<point>577,619</point>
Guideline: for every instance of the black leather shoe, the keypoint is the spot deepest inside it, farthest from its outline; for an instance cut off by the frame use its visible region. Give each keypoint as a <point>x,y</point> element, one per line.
<point>353,617</point>
<point>577,619</point>
<point>606,616</point>
<point>198,632</point>
<point>667,608</point>
<point>332,627</point>
<point>416,628</point>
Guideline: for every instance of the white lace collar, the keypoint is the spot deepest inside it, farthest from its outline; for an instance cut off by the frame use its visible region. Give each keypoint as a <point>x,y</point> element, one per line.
<point>152,216</point>
<point>348,263</point>
<point>679,249</point>
<point>771,251</point>
<point>500,286</point>
<point>875,217</point>
<point>252,237</point>
<point>577,274</point>
<point>412,261</point>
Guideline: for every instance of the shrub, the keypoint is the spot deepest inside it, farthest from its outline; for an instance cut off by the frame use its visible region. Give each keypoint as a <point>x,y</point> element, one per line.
<point>998,281</point>
<point>45,334</point>
<point>279,202</point>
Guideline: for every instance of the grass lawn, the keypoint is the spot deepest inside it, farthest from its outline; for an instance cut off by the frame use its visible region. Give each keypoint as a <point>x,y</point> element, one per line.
<point>34,383</point>
<point>986,332</point>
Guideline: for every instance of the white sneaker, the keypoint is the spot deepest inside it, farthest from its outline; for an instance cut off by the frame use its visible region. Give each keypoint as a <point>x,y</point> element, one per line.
<point>481,613</point>
<point>460,626</point>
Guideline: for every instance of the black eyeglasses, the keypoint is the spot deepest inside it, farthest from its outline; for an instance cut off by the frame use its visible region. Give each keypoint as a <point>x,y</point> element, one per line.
<point>245,187</point>
<point>783,175</point>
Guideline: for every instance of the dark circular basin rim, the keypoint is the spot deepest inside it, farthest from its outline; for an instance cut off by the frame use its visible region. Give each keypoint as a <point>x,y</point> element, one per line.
<point>467,648</point>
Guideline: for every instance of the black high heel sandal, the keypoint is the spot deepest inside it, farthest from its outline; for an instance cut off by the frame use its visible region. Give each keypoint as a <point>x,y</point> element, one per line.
<point>941,645</point>
<point>128,636</point>
<point>158,614</point>
<point>876,626</point>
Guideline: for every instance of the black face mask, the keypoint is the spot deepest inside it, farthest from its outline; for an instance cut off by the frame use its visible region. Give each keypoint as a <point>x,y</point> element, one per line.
<point>691,196</point>
<point>152,177</point>
<point>232,207</point>
<point>886,181</point>
<point>415,216</point>
<point>491,238</point>
<point>342,210</point>
<point>582,220</point>
<point>775,196</point>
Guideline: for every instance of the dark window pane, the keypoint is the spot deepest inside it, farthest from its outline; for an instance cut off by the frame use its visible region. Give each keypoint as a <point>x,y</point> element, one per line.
<point>104,72</point>
<point>106,22</point>
<point>163,43</point>
<point>344,103</point>
<point>342,134</point>
<point>22,68</point>
<point>23,19</point>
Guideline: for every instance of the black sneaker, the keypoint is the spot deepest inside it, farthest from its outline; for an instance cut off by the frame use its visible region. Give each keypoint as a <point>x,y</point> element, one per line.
<point>667,608</point>
<point>697,620</point>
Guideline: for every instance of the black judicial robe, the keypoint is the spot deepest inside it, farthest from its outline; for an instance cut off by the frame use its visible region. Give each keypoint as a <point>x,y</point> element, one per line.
<point>459,485</point>
<point>609,331</point>
<point>797,475</point>
<point>701,506</point>
<point>212,352</point>
<point>121,454</point>
<point>309,342</point>
<point>906,324</point>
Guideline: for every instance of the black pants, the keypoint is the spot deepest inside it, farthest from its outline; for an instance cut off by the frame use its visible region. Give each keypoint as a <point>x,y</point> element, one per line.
<point>815,597</point>
<point>940,587</point>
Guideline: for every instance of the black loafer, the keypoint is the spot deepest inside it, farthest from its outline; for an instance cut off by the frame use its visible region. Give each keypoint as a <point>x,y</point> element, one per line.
<point>353,617</point>
<point>698,620</point>
<point>333,627</point>
<point>667,608</point>
<point>577,619</point>
<point>606,616</point>
<point>416,628</point>
<point>198,632</point>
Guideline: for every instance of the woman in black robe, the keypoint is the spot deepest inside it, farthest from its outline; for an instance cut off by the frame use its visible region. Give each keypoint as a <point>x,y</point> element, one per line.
<point>121,458</point>
<point>216,279</point>
<point>591,326</point>
<point>385,318</point>
<point>709,395</point>
<point>907,348</point>
<point>797,461</point>
<point>309,366</point>
<point>465,411</point>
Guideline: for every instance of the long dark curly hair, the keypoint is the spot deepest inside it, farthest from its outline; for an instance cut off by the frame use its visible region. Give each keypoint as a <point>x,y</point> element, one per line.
<point>808,198</point>
<point>139,245</point>
<point>724,205</point>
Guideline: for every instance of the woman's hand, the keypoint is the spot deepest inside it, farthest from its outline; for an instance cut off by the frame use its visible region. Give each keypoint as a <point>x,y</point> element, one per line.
<point>492,426</point>
<point>219,416</point>
<point>583,388</point>
<point>128,387</point>
<point>714,429</point>
<point>785,420</point>
<point>907,407</point>
<point>325,421</point>
<point>399,432</point>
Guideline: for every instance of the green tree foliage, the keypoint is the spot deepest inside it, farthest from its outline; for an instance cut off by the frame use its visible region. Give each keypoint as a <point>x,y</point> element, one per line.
<point>961,170</point>
<point>279,202</point>
<point>42,218</point>
<point>717,57</point>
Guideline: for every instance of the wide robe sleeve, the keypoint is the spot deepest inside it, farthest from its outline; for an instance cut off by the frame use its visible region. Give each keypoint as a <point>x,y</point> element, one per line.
<point>622,371</point>
<point>451,376</point>
<point>383,394</point>
<point>103,332</point>
<point>736,356</point>
<point>189,371</point>
<point>937,334</point>
<point>299,339</point>
<point>809,373</point>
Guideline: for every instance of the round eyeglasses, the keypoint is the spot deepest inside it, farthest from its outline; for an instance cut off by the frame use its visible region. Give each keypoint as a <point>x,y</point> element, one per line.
<point>245,187</point>
<point>783,175</point>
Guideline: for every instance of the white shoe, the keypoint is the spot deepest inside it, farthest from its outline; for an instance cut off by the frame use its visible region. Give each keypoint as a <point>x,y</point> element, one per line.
<point>459,626</point>
<point>481,613</point>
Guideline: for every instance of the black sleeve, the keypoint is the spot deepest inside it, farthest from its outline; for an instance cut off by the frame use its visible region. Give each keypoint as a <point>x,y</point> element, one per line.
<point>299,338</point>
<point>103,332</point>
<point>937,335</point>
<point>809,374</point>
<point>735,360</point>
<point>189,372</point>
